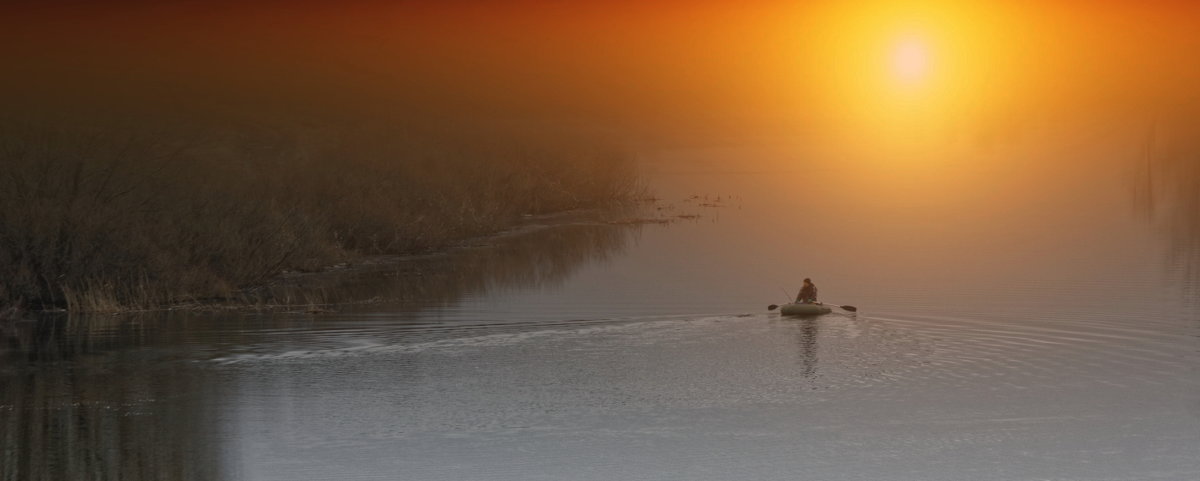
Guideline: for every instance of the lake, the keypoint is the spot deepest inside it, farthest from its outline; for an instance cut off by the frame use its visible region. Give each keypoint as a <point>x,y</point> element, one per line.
<point>1020,317</point>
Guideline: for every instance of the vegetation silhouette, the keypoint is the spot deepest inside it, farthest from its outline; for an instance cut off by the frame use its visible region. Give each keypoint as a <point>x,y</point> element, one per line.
<point>1166,189</point>
<point>108,218</point>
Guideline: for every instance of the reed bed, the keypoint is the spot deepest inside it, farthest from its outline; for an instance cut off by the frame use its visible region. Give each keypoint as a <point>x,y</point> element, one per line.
<point>106,218</point>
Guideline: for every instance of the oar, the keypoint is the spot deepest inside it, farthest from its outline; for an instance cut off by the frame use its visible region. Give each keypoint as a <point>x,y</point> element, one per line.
<point>772,307</point>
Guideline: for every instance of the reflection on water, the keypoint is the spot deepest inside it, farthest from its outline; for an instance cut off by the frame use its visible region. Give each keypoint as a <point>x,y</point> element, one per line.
<point>528,259</point>
<point>806,338</point>
<point>121,397</point>
<point>80,408</point>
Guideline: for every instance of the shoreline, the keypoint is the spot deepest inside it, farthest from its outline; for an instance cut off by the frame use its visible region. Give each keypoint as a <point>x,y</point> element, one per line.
<point>250,297</point>
<point>364,265</point>
<point>305,291</point>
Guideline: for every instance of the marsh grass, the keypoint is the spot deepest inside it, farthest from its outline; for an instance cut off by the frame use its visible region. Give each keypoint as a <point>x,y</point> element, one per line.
<point>101,218</point>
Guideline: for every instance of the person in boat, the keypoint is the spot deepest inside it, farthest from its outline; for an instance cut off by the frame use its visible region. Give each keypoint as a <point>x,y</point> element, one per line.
<point>808,293</point>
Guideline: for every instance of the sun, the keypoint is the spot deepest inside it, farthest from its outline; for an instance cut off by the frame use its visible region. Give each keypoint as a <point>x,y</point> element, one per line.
<point>910,60</point>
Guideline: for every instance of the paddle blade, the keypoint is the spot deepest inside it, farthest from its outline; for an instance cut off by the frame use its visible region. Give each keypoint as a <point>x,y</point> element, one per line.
<point>849,308</point>
<point>772,307</point>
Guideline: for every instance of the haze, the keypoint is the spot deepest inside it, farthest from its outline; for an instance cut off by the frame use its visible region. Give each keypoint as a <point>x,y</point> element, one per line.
<point>682,72</point>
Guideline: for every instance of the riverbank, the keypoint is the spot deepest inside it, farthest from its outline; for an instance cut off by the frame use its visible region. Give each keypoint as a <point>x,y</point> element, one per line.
<point>107,219</point>
<point>535,248</point>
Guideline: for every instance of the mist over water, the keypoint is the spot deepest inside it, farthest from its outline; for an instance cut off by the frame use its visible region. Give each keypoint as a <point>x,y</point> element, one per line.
<point>1018,319</point>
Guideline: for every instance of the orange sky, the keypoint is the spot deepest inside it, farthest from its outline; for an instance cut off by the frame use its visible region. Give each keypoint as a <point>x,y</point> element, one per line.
<point>731,67</point>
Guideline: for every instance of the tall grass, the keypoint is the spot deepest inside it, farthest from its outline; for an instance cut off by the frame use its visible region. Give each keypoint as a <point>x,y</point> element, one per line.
<point>96,218</point>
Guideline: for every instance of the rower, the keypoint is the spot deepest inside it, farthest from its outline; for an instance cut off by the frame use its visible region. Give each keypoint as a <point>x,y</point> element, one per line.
<point>808,293</point>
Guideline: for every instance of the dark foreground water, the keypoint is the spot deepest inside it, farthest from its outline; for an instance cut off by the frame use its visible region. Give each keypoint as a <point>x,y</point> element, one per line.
<point>1015,323</point>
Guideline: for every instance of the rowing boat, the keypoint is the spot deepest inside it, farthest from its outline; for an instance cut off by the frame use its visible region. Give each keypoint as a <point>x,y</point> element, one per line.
<point>797,309</point>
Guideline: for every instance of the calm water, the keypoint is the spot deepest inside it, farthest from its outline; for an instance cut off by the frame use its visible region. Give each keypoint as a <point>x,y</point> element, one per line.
<point>1019,319</point>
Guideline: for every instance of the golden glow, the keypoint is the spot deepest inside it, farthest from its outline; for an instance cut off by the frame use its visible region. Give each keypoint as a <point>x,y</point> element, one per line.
<point>910,60</point>
<point>869,73</point>
<point>912,74</point>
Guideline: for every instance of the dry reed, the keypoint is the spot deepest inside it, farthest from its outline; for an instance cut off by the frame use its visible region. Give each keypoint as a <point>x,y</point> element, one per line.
<point>106,218</point>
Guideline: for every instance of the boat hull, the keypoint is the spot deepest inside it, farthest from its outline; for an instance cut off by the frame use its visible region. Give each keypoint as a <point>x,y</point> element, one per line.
<point>804,309</point>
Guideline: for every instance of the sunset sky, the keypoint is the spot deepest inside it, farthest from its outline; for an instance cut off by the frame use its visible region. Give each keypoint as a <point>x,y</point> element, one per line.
<point>891,68</point>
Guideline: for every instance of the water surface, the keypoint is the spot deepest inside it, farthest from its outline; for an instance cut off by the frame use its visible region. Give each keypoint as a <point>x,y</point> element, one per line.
<point>1018,320</point>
